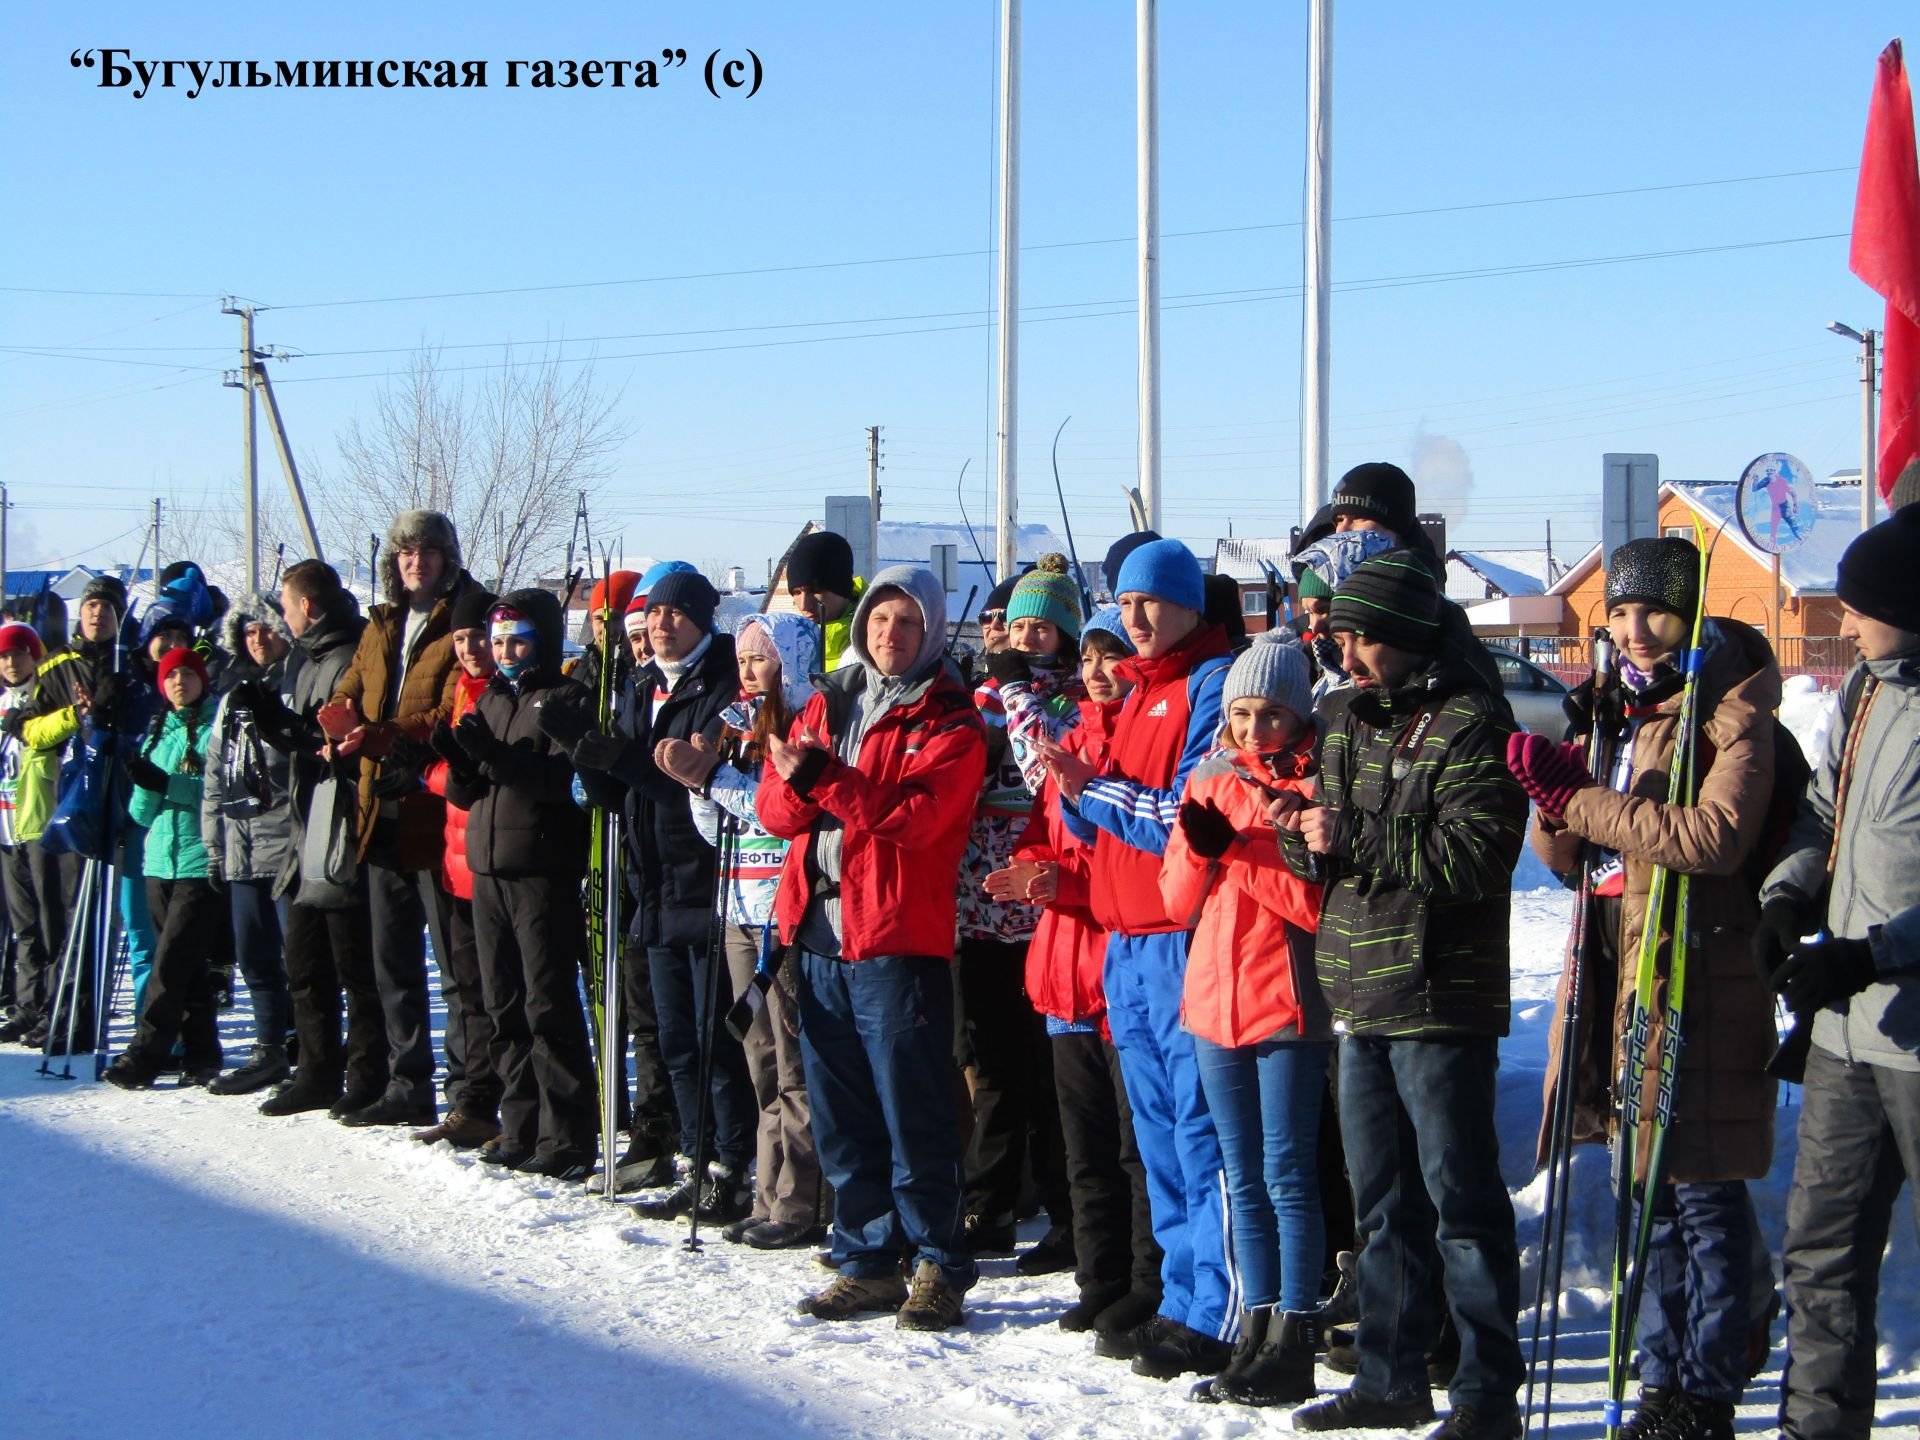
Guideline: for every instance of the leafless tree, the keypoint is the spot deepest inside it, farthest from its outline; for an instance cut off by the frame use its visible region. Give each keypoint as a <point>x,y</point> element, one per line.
<point>507,458</point>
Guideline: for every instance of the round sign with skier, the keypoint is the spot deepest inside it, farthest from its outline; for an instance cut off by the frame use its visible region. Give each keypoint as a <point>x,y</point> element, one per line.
<point>1775,502</point>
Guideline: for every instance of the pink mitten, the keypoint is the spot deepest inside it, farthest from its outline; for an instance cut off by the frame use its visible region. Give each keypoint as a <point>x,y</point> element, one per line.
<point>1549,773</point>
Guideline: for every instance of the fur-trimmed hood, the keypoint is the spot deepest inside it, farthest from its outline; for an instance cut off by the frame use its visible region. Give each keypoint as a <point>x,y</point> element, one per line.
<point>420,528</point>
<point>257,608</point>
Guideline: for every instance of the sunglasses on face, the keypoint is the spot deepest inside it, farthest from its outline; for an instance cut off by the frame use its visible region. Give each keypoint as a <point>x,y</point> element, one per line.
<point>993,617</point>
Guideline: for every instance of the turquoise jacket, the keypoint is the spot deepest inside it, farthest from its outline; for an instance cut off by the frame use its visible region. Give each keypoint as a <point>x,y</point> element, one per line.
<point>174,849</point>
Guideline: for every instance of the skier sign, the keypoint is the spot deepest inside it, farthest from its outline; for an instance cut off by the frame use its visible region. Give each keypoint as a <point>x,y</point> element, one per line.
<point>1775,502</point>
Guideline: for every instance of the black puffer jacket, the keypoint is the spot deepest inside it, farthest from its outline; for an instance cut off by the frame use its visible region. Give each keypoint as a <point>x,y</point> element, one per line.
<point>669,863</point>
<point>1413,923</point>
<point>521,817</point>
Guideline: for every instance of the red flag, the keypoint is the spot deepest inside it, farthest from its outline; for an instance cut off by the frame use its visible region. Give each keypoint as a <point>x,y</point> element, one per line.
<point>1886,254</point>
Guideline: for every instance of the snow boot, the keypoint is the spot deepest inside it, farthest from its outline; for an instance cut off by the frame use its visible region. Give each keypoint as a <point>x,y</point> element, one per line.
<point>566,1165</point>
<point>460,1130</point>
<point>1350,1410</point>
<point>782,1235</point>
<point>989,1234</point>
<point>852,1296</point>
<point>267,1065</point>
<point>1181,1350</point>
<point>130,1072</point>
<point>1468,1422</point>
<point>1084,1313</point>
<point>1280,1371</point>
<point>726,1196</point>
<point>1342,1305</point>
<point>932,1304</point>
<point>1052,1254</point>
<point>1644,1423</point>
<point>199,1074</point>
<point>351,1101</point>
<point>1254,1324</point>
<point>1693,1417</point>
<point>677,1201</point>
<point>391,1110</point>
<point>293,1098</point>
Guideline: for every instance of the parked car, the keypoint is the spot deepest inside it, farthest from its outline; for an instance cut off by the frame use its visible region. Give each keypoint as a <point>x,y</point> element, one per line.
<point>1534,694</point>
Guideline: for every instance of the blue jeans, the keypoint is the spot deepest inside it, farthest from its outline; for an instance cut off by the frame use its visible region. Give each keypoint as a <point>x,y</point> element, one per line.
<point>1186,1182</point>
<point>257,947</point>
<point>1265,1102</point>
<point>876,1039</point>
<point>1417,1120</point>
<point>1696,1308</point>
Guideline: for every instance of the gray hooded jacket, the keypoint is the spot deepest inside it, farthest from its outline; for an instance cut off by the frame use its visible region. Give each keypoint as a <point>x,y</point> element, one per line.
<point>1875,888</point>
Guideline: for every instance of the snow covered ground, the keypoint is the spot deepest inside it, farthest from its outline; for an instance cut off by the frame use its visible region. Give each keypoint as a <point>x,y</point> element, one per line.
<point>179,1266</point>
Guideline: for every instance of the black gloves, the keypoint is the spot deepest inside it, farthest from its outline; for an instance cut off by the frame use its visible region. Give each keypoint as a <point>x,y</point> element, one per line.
<point>1782,922</point>
<point>442,743</point>
<point>597,750</point>
<point>813,765</point>
<point>146,774</point>
<point>562,723</point>
<point>15,721</point>
<point>1010,667</point>
<point>1816,974</point>
<point>476,737</point>
<point>104,700</point>
<point>1209,833</point>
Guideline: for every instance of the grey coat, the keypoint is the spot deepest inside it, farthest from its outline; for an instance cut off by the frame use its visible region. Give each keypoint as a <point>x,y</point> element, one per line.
<point>1875,889</point>
<point>247,838</point>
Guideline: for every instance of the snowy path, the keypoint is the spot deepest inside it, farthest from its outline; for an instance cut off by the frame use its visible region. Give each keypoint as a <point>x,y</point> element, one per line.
<point>180,1264</point>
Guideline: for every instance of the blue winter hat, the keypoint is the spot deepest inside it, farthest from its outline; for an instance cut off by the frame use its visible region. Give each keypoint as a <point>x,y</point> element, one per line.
<point>657,573</point>
<point>1166,570</point>
<point>1107,620</point>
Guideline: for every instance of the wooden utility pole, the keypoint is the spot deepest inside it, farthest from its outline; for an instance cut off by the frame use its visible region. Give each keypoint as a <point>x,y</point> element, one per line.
<point>252,376</point>
<point>1147,205</point>
<point>1007,507</point>
<point>156,545</point>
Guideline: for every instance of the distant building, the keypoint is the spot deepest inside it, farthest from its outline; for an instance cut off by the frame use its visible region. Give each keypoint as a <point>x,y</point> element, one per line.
<point>1246,558</point>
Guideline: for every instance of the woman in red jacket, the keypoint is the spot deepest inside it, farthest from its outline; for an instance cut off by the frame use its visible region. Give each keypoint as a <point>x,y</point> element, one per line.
<point>1251,1001</point>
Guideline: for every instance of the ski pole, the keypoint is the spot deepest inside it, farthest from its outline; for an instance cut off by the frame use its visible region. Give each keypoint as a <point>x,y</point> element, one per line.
<point>716,961</point>
<point>613,1047</point>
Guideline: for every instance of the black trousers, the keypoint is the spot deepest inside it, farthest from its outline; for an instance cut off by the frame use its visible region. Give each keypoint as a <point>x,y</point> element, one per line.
<point>1112,1221</point>
<point>40,893</point>
<point>472,1086</point>
<point>650,1120</point>
<point>399,910</point>
<point>330,953</point>
<point>27,969</point>
<point>192,924</point>
<point>531,940</point>
<point>1016,1121</point>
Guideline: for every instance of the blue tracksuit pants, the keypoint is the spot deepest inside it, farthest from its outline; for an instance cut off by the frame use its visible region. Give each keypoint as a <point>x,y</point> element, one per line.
<point>1186,1181</point>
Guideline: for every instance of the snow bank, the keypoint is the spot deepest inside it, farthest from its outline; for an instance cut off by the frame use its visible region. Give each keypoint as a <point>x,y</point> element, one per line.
<point>179,1264</point>
<point>1809,712</point>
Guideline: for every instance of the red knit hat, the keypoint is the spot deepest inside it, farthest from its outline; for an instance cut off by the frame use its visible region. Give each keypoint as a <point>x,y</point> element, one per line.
<point>624,583</point>
<point>15,636</point>
<point>181,655</point>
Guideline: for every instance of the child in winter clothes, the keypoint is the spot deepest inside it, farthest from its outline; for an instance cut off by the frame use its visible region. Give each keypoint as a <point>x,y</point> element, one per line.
<point>1695,1320</point>
<point>1117,1260</point>
<point>1016,1126</point>
<point>526,846</point>
<point>1261,1032</point>
<point>191,918</point>
<point>27,777</point>
<point>474,1117</point>
<point>776,653</point>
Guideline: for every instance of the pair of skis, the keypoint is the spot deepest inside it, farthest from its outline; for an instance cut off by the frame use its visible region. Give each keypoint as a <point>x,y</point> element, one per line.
<point>603,916</point>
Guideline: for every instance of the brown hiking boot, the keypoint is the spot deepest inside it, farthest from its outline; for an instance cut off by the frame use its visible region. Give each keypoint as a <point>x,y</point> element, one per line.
<point>853,1295</point>
<point>932,1304</point>
<point>462,1131</point>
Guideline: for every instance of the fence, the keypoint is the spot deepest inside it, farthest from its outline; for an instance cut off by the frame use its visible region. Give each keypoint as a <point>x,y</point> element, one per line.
<point>1827,658</point>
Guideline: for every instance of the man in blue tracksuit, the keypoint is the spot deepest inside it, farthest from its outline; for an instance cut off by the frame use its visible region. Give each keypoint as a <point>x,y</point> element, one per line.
<point>1128,808</point>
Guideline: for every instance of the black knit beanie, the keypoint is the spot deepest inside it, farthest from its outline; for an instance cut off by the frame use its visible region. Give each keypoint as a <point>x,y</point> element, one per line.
<point>1392,598</point>
<point>1380,491</point>
<point>1001,594</point>
<point>1877,571</point>
<point>821,561</point>
<point>471,608</point>
<point>689,592</point>
<point>1663,571</point>
<point>1117,555</point>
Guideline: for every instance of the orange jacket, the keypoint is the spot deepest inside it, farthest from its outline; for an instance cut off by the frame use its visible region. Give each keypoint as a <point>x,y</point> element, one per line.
<point>455,877</point>
<point>1250,964</point>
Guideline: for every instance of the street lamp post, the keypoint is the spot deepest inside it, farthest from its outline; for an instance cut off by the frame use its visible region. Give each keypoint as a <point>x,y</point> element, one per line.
<point>1869,344</point>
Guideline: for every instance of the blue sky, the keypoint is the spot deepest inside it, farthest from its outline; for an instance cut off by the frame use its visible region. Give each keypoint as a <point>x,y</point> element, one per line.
<point>871,141</point>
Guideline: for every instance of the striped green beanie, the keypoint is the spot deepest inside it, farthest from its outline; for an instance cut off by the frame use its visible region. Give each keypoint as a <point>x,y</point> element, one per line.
<point>1047,592</point>
<point>1392,598</point>
<point>1312,587</point>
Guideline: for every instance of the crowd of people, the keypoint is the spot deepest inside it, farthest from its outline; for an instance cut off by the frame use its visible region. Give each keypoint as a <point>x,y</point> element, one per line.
<point>1197,944</point>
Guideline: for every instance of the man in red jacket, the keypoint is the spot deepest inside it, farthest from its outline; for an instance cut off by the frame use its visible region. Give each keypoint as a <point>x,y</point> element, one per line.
<point>876,785</point>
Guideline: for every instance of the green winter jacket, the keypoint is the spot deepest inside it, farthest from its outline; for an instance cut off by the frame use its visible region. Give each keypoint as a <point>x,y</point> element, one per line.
<point>1413,925</point>
<point>175,850</point>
